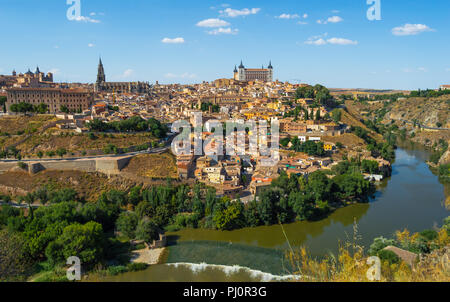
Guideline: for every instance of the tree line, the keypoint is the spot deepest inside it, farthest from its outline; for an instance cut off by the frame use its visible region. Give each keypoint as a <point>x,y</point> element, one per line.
<point>132,124</point>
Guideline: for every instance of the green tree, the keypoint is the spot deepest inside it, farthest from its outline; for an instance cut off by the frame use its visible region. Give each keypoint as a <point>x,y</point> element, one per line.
<point>3,100</point>
<point>336,115</point>
<point>14,262</point>
<point>369,166</point>
<point>83,241</point>
<point>61,152</point>
<point>41,108</point>
<point>127,223</point>
<point>64,109</point>
<point>229,218</point>
<point>147,230</point>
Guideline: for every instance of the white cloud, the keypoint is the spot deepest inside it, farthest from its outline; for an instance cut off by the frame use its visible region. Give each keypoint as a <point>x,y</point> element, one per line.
<point>333,19</point>
<point>288,16</point>
<point>447,69</point>
<point>220,6</point>
<point>91,45</point>
<point>302,22</point>
<point>56,46</point>
<point>173,41</point>
<point>305,16</point>
<point>407,70</point>
<point>321,40</point>
<point>233,13</point>
<point>423,69</point>
<point>86,19</point>
<point>185,75</point>
<point>341,41</point>
<point>225,31</point>
<point>410,29</point>
<point>213,23</point>
<point>127,73</point>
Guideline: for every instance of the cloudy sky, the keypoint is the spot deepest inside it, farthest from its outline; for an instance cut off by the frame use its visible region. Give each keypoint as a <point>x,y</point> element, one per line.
<point>331,42</point>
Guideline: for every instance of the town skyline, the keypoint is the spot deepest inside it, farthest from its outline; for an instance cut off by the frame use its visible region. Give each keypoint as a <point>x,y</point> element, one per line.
<point>156,41</point>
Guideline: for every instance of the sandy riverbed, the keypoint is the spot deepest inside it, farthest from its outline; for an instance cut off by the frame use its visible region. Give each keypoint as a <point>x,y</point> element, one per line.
<point>147,256</point>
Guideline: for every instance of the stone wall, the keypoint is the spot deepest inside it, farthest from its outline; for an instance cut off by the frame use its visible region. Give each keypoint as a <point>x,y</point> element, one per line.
<point>109,165</point>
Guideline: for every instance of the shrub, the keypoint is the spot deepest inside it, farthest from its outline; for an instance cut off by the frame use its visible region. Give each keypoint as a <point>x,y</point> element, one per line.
<point>116,270</point>
<point>388,256</point>
<point>22,165</point>
<point>134,267</point>
<point>379,244</point>
<point>429,235</point>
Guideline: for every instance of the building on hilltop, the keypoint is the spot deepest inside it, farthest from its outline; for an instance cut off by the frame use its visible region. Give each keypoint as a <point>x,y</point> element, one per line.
<point>73,99</point>
<point>251,74</point>
<point>29,79</point>
<point>119,87</point>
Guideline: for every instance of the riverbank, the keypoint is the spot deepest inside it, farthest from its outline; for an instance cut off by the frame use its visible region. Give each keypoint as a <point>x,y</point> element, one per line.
<point>411,198</point>
<point>148,256</point>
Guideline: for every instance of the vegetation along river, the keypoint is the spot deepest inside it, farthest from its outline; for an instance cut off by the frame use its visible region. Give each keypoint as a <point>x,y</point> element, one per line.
<point>412,198</point>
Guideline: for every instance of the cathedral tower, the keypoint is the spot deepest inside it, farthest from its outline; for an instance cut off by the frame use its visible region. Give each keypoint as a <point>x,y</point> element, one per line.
<point>101,78</point>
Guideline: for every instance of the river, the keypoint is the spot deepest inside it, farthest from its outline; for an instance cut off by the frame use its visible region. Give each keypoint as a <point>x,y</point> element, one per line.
<point>412,198</point>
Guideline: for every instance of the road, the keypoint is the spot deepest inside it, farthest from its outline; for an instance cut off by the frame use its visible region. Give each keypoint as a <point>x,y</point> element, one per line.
<point>422,126</point>
<point>152,151</point>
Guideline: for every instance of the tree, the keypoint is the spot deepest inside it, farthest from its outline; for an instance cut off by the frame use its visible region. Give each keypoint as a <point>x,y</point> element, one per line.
<point>230,217</point>
<point>64,109</point>
<point>127,223</point>
<point>251,214</point>
<point>22,107</point>
<point>41,108</point>
<point>134,197</point>
<point>61,152</point>
<point>3,100</point>
<point>267,205</point>
<point>147,230</point>
<point>40,154</point>
<point>318,115</point>
<point>13,260</point>
<point>336,115</point>
<point>369,166</point>
<point>380,243</point>
<point>83,241</point>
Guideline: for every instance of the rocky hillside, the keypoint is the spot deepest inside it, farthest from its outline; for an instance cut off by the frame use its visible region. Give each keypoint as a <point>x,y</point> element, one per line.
<point>426,120</point>
<point>431,112</point>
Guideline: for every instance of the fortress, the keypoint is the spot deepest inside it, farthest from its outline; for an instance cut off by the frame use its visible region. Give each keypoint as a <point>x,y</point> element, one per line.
<point>251,74</point>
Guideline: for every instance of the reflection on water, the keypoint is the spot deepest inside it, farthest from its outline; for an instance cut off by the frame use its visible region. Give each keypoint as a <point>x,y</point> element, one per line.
<point>412,198</point>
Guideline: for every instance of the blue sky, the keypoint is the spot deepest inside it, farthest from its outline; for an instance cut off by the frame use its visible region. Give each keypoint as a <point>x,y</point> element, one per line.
<point>323,41</point>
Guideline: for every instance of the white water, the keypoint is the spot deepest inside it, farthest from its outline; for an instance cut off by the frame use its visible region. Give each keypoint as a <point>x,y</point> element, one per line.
<point>235,269</point>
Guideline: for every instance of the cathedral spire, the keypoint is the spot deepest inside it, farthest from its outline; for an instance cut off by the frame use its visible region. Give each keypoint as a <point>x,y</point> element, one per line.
<point>101,78</point>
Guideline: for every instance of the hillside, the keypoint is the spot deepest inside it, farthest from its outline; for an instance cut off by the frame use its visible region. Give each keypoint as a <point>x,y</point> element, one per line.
<point>153,166</point>
<point>32,135</point>
<point>432,114</point>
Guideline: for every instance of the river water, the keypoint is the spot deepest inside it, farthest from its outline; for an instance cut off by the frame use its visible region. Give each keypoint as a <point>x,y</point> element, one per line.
<point>412,198</point>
